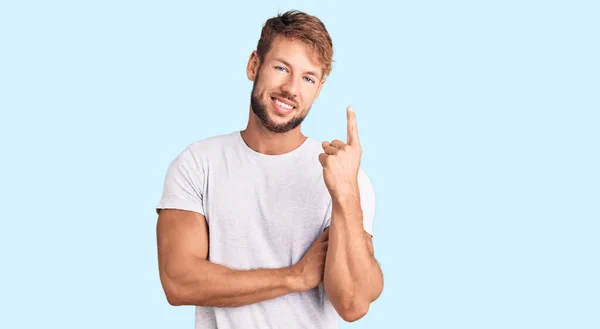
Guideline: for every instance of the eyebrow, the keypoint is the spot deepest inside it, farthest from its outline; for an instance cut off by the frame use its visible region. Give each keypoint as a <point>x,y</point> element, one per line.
<point>314,74</point>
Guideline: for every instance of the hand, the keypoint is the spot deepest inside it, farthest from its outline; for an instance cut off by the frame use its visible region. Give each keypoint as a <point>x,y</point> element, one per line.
<point>311,267</point>
<point>341,161</point>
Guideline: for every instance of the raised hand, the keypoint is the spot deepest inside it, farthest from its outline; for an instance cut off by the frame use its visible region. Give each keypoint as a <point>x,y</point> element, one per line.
<point>341,161</point>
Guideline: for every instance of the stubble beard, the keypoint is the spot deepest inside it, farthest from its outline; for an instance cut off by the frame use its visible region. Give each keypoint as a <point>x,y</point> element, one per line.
<point>260,110</point>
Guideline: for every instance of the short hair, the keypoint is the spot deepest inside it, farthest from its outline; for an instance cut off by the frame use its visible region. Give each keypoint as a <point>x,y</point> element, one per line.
<point>299,26</point>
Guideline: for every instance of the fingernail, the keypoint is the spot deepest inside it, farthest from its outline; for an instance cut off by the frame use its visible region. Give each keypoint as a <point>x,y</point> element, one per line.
<point>350,109</point>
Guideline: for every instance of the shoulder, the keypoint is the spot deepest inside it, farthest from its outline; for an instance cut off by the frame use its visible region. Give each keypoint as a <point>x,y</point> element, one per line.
<point>197,154</point>
<point>212,144</point>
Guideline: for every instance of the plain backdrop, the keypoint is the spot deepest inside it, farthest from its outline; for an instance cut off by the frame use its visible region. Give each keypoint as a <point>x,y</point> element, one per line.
<point>479,122</point>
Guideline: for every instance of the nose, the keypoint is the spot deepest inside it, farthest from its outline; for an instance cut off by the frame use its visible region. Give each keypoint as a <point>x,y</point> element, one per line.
<point>291,86</point>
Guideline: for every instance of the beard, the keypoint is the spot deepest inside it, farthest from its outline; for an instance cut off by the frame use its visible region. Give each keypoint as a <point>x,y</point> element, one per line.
<point>259,107</point>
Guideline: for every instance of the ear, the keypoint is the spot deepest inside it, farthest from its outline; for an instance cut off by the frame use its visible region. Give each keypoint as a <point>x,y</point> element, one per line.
<point>253,64</point>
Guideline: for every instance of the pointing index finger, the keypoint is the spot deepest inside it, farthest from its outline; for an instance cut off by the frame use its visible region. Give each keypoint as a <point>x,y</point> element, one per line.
<point>352,129</point>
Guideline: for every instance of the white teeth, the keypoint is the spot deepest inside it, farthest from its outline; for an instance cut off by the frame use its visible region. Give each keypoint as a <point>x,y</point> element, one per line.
<point>284,105</point>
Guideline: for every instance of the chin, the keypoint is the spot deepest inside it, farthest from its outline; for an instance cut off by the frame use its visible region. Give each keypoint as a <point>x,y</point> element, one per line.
<point>279,120</point>
<point>274,118</point>
<point>281,124</point>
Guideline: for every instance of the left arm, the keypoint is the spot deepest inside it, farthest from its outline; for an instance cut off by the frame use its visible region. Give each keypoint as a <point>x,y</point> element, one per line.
<point>352,277</point>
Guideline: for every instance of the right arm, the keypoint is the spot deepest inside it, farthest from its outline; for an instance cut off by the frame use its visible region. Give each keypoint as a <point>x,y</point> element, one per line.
<point>188,278</point>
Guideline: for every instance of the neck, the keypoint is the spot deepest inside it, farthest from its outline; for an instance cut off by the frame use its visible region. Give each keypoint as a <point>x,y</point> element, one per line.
<point>262,140</point>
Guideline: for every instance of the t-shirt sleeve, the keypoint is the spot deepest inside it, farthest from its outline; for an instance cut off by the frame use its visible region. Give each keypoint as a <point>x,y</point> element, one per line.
<point>367,201</point>
<point>183,185</point>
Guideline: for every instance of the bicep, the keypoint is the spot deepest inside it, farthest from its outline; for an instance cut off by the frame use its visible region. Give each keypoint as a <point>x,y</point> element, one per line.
<point>182,238</point>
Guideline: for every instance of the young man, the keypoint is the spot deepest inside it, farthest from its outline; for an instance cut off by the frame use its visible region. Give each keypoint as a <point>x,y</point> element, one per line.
<point>265,227</point>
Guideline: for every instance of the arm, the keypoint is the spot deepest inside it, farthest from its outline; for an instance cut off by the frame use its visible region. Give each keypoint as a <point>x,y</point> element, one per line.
<point>189,279</point>
<point>352,276</point>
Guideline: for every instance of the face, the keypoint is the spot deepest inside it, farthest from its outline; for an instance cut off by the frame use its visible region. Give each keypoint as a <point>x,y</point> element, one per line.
<point>285,85</point>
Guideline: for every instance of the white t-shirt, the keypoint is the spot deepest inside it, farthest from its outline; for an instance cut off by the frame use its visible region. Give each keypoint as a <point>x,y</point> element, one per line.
<point>263,211</point>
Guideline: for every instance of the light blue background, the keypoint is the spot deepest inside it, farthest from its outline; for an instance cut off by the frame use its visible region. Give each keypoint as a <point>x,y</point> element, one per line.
<point>479,122</point>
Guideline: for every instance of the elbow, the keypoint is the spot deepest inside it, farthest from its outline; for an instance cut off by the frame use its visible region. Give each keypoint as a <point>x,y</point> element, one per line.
<point>177,294</point>
<point>172,293</point>
<point>353,311</point>
<point>174,299</point>
<point>350,306</point>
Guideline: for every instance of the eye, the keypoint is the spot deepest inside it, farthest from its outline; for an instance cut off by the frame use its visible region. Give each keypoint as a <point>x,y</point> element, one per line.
<point>280,68</point>
<point>307,79</point>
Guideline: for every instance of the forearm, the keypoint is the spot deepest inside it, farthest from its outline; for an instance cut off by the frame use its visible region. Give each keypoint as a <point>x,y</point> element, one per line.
<point>352,276</point>
<point>207,284</point>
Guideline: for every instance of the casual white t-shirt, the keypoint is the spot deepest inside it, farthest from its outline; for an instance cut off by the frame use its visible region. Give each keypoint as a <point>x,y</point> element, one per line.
<point>263,211</point>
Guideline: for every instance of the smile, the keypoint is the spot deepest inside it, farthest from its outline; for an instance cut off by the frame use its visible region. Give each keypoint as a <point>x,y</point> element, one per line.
<point>284,105</point>
<point>281,107</point>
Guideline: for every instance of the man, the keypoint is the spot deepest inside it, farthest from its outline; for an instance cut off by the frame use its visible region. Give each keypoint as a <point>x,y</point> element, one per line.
<point>265,227</point>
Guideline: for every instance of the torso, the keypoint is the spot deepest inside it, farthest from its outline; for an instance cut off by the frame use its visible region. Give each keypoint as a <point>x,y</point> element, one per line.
<point>264,212</point>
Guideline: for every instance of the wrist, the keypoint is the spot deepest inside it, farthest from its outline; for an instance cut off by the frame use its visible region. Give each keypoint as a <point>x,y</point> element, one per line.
<point>293,279</point>
<point>346,205</point>
<point>346,192</point>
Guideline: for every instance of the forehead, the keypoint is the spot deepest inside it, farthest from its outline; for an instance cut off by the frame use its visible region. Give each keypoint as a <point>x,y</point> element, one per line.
<point>296,53</point>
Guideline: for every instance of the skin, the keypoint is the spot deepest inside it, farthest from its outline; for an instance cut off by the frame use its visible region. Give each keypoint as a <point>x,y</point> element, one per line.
<point>353,278</point>
<point>287,74</point>
<point>342,257</point>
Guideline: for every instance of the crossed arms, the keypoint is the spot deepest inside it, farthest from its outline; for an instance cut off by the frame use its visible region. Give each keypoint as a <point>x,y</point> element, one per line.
<point>342,258</point>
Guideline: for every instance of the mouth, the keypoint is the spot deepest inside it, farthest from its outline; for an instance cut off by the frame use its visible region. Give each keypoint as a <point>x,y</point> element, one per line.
<point>282,106</point>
